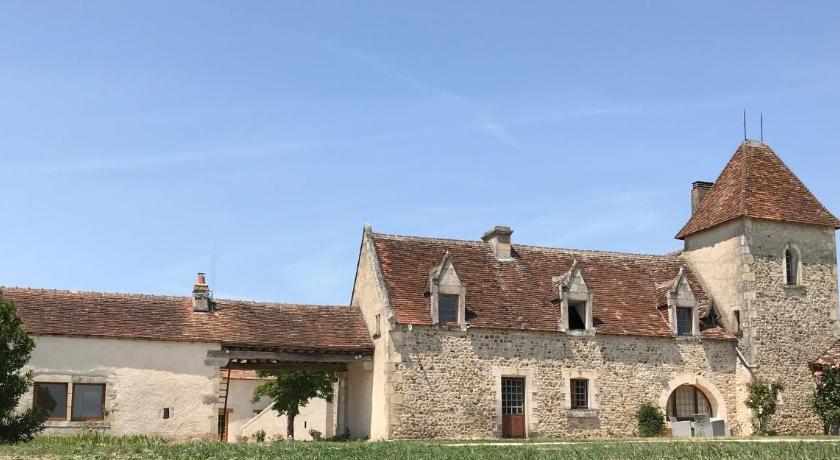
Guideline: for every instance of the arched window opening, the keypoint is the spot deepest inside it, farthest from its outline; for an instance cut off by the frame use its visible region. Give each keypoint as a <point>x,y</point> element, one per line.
<point>687,401</point>
<point>791,267</point>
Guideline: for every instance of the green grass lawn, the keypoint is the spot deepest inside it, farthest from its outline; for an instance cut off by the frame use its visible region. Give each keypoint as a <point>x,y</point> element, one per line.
<point>139,447</point>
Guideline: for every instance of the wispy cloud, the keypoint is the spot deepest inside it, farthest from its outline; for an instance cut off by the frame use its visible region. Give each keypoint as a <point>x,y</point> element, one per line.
<point>127,161</point>
<point>498,131</point>
<point>480,116</point>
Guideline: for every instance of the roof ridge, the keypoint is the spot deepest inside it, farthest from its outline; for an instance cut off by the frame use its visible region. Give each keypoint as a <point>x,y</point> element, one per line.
<point>531,246</point>
<point>171,297</point>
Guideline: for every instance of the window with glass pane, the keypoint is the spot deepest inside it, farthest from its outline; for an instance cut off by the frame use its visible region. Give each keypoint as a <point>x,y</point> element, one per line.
<point>447,308</point>
<point>684,321</point>
<point>513,396</point>
<point>52,397</point>
<point>88,401</point>
<point>687,401</point>
<point>580,393</point>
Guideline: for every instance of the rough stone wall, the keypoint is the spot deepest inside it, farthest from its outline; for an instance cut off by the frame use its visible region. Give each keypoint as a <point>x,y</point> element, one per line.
<point>141,378</point>
<point>445,385</point>
<point>792,325</point>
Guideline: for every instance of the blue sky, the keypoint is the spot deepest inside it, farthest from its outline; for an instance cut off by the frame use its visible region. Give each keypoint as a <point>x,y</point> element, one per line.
<point>142,142</point>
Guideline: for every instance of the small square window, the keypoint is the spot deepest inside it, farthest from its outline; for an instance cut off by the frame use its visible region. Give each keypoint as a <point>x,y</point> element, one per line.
<point>51,397</point>
<point>88,401</point>
<point>166,413</point>
<point>580,393</point>
<point>684,321</point>
<point>447,308</point>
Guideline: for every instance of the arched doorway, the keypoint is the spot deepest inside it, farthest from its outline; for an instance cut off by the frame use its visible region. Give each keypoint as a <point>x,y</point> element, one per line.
<point>686,401</point>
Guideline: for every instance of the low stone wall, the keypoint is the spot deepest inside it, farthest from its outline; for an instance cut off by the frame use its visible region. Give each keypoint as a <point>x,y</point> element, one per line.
<point>446,383</point>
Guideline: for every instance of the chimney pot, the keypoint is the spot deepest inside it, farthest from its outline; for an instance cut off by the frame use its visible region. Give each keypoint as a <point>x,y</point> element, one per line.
<point>699,190</point>
<point>200,279</point>
<point>499,239</point>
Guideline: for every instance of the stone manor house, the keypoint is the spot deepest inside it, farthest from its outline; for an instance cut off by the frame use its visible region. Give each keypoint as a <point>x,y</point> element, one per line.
<point>477,339</point>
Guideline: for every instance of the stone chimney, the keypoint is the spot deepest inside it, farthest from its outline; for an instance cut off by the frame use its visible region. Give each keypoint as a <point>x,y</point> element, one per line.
<point>699,190</point>
<point>499,239</point>
<point>201,294</point>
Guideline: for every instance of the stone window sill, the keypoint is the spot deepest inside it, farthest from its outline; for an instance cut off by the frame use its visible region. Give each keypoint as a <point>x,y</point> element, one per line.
<point>581,333</point>
<point>794,289</point>
<point>456,327</point>
<point>76,424</point>
<point>689,338</point>
<point>582,413</point>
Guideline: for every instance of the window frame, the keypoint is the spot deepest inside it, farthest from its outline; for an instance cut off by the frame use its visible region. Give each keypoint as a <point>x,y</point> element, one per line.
<point>572,306</point>
<point>73,403</point>
<point>690,312</point>
<point>792,266</point>
<point>35,397</point>
<point>672,403</point>
<point>574,393</point>
<point>457,305</point>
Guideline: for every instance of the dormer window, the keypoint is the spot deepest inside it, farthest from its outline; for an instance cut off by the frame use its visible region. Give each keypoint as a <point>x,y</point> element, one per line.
<point>684,326</point>
<point>792,265</point>
<point>448,294</point>
<point>447,308</point>
<point>577,315</point>
<point>683,307</point>
<point>575,303</point>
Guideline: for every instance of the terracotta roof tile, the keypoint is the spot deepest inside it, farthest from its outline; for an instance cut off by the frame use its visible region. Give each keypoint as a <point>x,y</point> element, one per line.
<point>149,317</point>
<point>520,293</point>
<point>756,183</point>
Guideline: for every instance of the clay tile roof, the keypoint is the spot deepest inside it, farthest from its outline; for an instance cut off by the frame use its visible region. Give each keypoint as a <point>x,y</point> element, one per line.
<point>522,293</point>
<point>756,183</point>
<point>150,317</point>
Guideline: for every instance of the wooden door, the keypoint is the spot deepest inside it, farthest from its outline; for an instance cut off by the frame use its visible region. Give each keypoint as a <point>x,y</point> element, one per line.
<point>513,407</point>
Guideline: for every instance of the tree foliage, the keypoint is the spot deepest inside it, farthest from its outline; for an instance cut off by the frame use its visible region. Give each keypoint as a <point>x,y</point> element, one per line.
<point>827,398</point>
<point>762,400</point>
<point>15,349</point>
<point>292,390</point>
<point>651,420</point>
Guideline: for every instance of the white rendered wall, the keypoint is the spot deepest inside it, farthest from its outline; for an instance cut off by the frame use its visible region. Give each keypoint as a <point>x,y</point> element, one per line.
<point>317,415</point>
<point>142,378</point>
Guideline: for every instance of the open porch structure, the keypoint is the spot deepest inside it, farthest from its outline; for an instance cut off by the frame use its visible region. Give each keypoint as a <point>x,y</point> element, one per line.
<point>352,368</point>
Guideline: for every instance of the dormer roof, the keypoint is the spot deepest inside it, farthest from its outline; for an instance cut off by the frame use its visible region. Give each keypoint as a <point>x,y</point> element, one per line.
<point>756,183</point>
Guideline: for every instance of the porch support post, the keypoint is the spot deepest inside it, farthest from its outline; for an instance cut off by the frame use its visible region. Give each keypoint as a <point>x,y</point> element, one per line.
<point>342,425</point>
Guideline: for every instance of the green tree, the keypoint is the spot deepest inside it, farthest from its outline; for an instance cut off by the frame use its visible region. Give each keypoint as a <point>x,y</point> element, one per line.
<point>15,348</point>
<point>651,420</point>
<point>292,390</point>
<point>827,398</point>
<point>762,401</point>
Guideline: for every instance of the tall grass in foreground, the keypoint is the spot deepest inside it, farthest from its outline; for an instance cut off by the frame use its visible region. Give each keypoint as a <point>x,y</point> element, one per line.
<point>137,447</point>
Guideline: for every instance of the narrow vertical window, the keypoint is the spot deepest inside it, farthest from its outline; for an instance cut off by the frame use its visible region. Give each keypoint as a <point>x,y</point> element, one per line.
<point>447,308</point>
<point>791,267</point>
<point>684,321</point>
<point>378,332</point>
<point>580,393</point>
